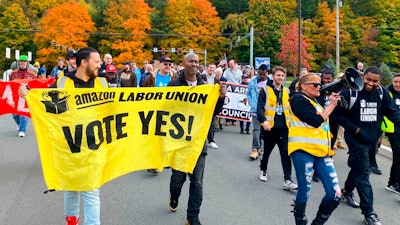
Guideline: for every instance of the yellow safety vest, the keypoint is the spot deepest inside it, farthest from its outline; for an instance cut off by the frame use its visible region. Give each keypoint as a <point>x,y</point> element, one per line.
<point>67,82</point>
<point>270,105</point>
<point>315,141</point>
<point>387,125</point>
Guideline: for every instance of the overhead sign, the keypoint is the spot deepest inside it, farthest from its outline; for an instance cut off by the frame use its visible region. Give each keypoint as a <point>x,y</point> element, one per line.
<point>263,60</point>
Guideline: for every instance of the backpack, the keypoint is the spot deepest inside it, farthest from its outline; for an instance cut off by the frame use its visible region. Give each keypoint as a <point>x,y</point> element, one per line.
<point>354,95</point>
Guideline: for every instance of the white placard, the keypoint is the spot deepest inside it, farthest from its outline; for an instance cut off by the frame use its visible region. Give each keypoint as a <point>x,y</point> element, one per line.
<point>30,56</point>
<point>16,54</point>
<point>8,53</point>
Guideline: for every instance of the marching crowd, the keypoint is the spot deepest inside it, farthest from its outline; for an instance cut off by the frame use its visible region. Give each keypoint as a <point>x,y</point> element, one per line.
<point>306,124</point>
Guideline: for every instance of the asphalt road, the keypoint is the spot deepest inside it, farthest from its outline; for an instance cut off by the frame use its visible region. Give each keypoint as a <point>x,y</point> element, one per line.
<point>233,195</point>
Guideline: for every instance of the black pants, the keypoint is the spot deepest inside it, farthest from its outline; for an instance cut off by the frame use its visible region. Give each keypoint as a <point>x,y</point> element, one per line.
<point>334,128</point>
<point>359,173</point>
<point>242,128</point>
<point>279,137</point>
<point>210,135</point>
<point>394,177</point>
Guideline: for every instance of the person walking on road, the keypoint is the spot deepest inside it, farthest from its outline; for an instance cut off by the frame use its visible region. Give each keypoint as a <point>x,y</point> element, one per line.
<point>23,72</point>
<point>255,85</point>
<point>190,77</point>
<point>88,62</point>
<point>310,148</point>
<point>273,115</point>
<point>362,123</point>
<point>393,133</point>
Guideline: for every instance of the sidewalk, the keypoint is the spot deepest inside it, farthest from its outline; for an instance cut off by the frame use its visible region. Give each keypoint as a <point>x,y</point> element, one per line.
<point>385,151</point>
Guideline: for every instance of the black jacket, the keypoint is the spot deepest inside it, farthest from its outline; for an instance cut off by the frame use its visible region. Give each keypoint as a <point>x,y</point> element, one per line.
<point>367,114</point>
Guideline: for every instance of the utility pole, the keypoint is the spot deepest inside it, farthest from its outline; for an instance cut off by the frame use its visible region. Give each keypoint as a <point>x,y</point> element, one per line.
<point>251,37</point>
<point>338,5</point>
<point>299,40</point>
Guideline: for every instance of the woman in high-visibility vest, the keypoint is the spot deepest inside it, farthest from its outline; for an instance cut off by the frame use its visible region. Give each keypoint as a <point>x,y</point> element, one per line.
<point>310,148</point>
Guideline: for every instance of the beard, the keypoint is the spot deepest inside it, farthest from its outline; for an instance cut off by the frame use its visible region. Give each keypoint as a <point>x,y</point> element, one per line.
<point>192,70</point>
<point>91,73</point>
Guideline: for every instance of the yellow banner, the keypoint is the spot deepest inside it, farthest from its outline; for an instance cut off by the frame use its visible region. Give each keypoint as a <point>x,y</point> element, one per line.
<point>89,136</point>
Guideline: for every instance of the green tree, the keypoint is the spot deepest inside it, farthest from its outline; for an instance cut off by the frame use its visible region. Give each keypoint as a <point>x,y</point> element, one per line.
<point>386,75</point>
<point>226,7</point>
<point>39,7</point>
<point>236,24</point>
<point>157,17</point>
<point>268,17</point>
<point>388,23</point>
<point>15,32</point>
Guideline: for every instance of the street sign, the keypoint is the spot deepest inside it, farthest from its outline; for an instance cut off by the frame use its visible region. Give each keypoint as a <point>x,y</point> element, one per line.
<point>263,60</point>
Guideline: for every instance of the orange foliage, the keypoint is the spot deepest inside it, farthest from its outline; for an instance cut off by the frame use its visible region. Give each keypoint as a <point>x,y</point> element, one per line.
<point>130,17</point>
<point>198,19</point>
<point>68,25</point>
<point>289,49</point>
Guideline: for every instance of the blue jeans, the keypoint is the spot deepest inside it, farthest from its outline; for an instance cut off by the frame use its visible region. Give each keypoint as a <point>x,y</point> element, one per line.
<point>178,178</point>
<point>256,132</point>
<point>91,208</point>
<point>21,121</point>
<point>304,163</point>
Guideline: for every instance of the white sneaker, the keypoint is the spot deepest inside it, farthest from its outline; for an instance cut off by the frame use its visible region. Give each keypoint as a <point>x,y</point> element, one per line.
<point>21,134</point>
<point>264,175</point>
<point>289,185</point>
<point>213,145</point>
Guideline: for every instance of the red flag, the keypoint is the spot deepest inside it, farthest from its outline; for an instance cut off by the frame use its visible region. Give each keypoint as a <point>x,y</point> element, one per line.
<point>10,102</point>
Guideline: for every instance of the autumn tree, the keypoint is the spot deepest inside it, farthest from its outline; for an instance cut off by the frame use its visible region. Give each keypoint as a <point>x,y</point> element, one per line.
<point>15,33</point>
<point>39,7</point>
<point>198,24</point>
<point>289,53</point>
<point>67,25</point>
<point>129,20</point>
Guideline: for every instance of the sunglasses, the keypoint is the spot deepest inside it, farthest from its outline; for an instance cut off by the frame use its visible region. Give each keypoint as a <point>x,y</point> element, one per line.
<point>314,84</point>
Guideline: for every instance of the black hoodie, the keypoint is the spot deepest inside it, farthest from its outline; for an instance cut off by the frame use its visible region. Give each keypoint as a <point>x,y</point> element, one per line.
<point>367,114</point>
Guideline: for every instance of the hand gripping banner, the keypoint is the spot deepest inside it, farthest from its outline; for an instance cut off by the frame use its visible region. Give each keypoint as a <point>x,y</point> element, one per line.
<point>89,136</point>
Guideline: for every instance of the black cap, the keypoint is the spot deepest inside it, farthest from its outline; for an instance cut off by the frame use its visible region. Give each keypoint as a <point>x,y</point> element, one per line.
<point>165,59</point>
<point>71,53</point>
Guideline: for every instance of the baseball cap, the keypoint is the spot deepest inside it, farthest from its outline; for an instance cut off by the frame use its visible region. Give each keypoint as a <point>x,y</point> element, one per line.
<point>71,53</point>
<point>165,59</point>
<point>37,64</point>
<point>111,68</point>
<point>23,58</point>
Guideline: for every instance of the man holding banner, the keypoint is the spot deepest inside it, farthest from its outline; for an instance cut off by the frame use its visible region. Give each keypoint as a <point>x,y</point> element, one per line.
<point>88,62</point>
<point>190,77</point>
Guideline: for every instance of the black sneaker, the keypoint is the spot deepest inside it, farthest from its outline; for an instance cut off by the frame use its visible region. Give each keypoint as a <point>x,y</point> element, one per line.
<point>153,171</point>
<point>315,178</point>
<point>173,204</point>
<point>393,188</point>
<point>350,200</point>
<point>196,222</point>
<point>375,170</point>
<point>372,220</point>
